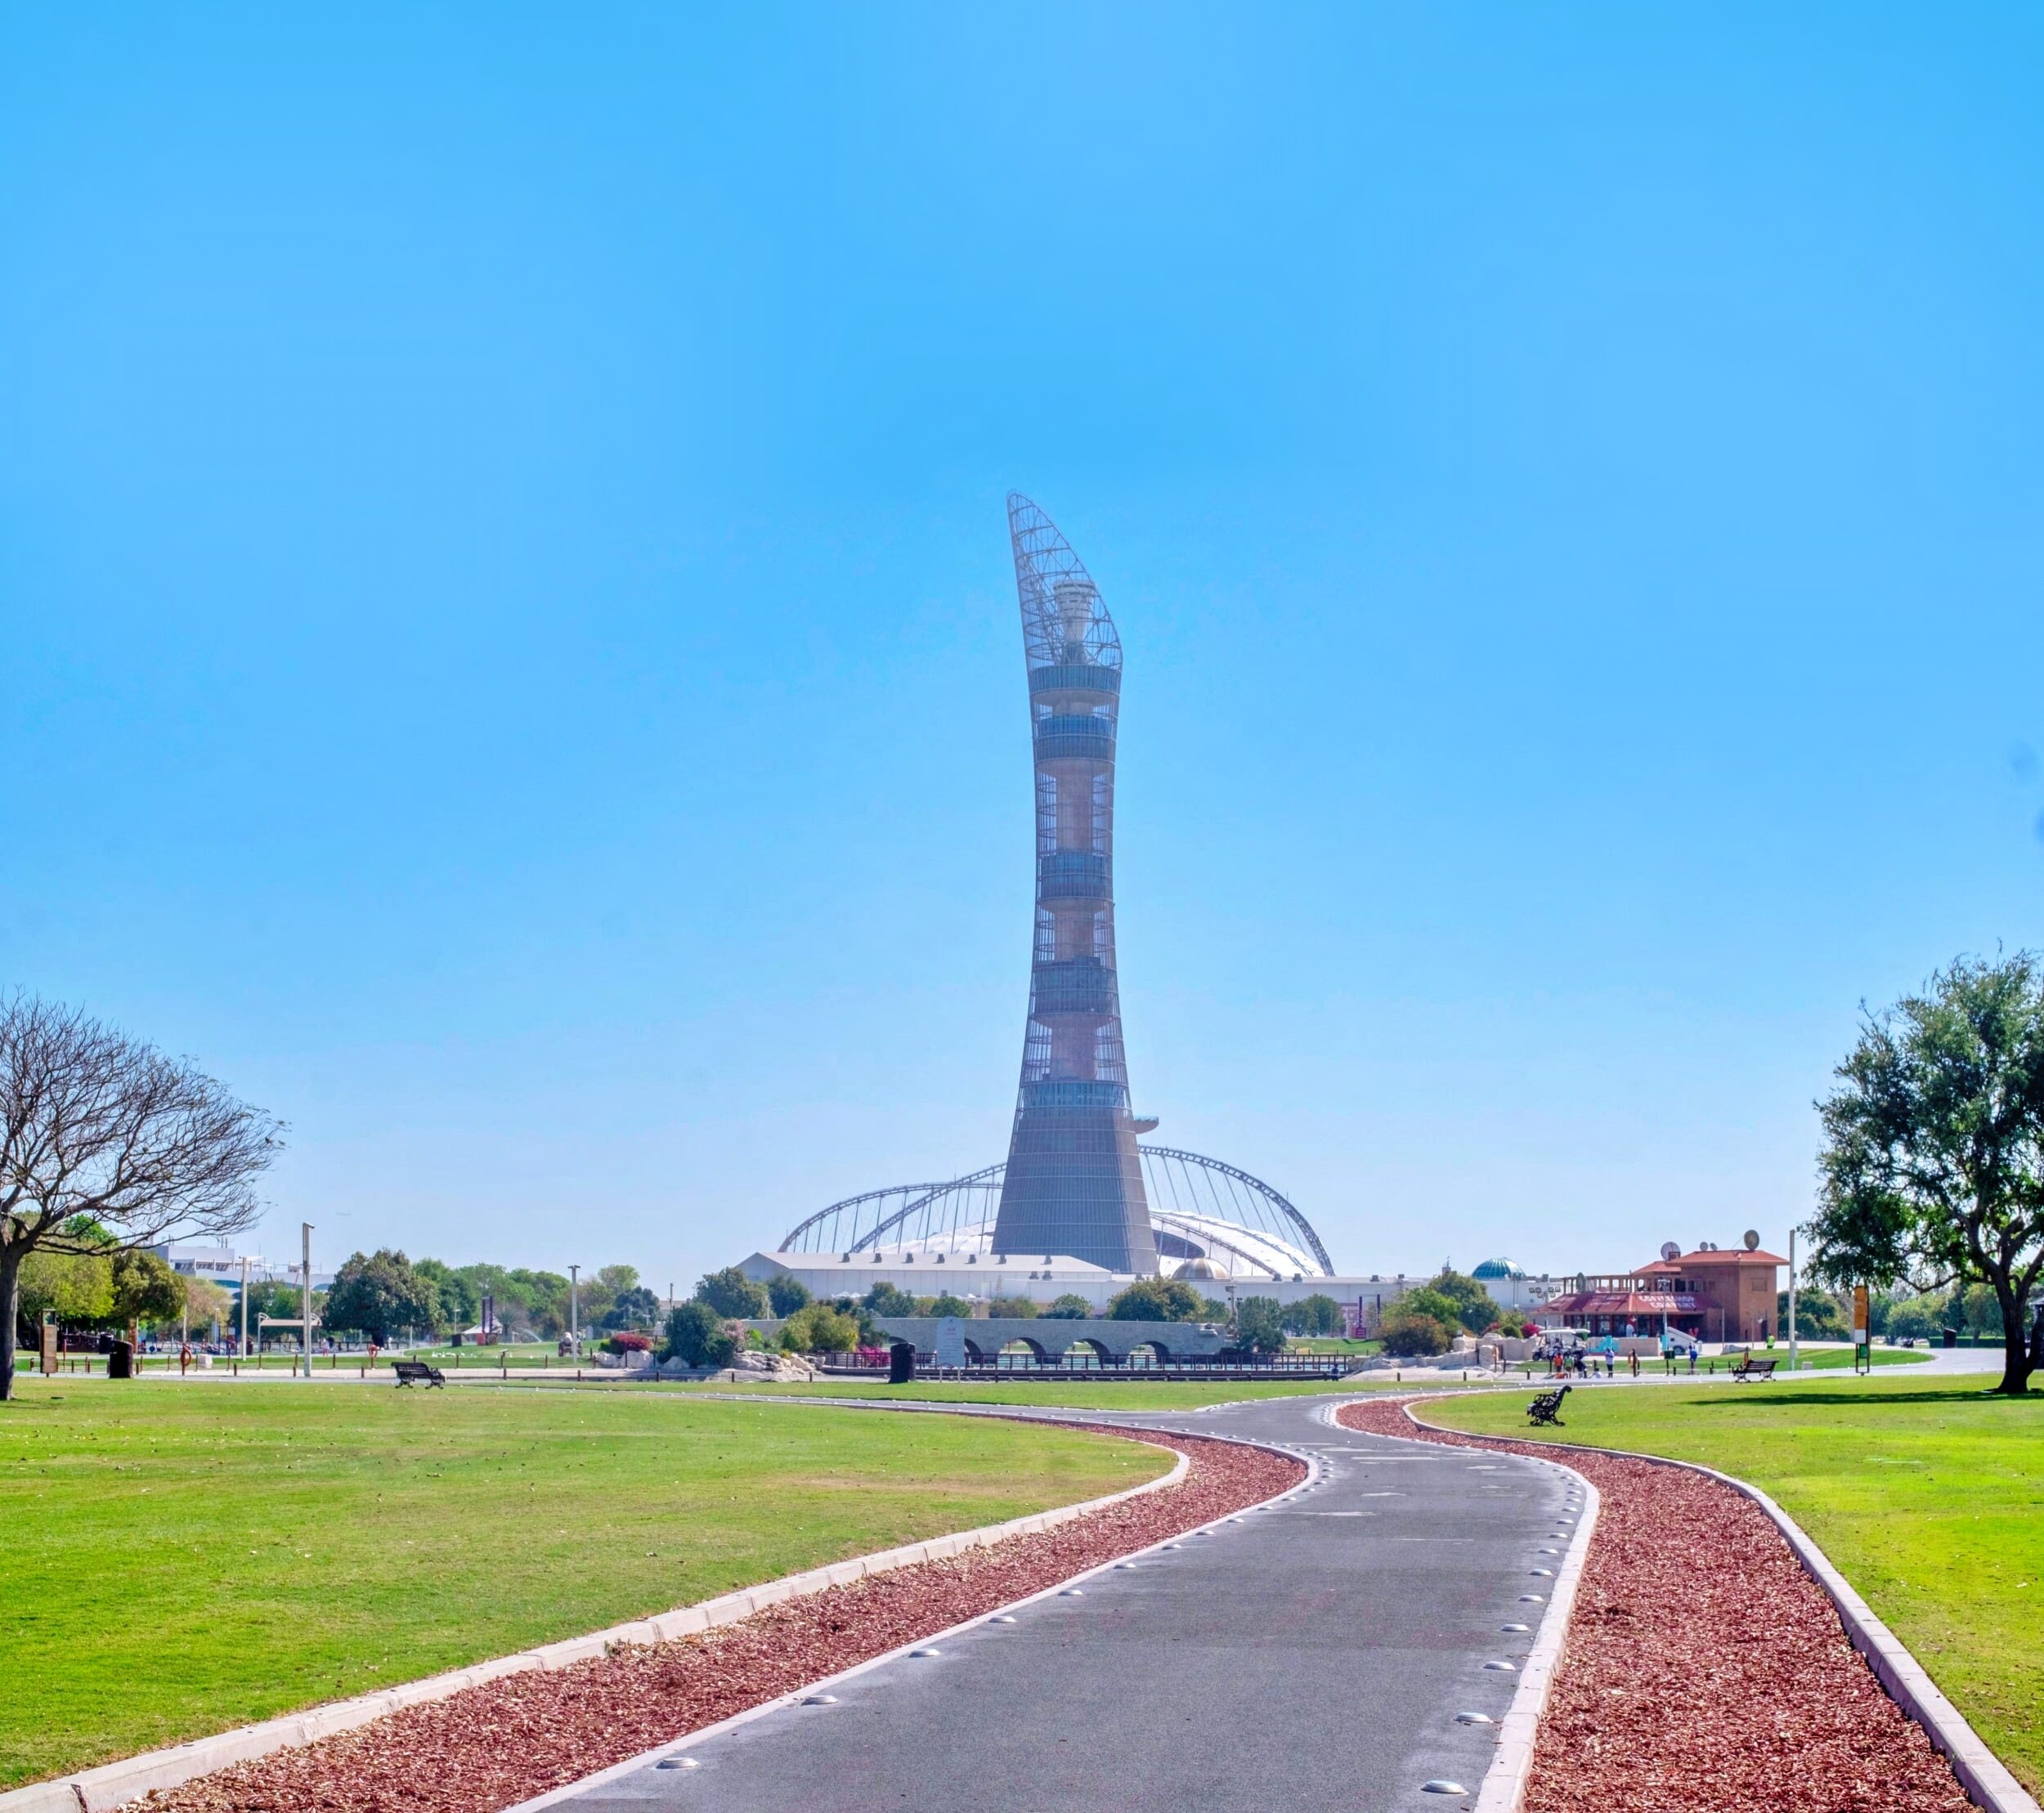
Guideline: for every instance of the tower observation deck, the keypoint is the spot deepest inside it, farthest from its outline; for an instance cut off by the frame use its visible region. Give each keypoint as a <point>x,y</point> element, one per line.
<point>1074,1182</point>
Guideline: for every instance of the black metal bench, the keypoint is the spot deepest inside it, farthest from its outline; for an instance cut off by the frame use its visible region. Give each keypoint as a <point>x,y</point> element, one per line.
<point>1547,1407</point>
<point>1752,1368</point>
<point>417,1372</point>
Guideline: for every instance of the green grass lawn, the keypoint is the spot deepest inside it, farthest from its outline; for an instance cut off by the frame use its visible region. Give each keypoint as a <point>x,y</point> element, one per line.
<point>1930,1499</point>
<point>181,1558</point>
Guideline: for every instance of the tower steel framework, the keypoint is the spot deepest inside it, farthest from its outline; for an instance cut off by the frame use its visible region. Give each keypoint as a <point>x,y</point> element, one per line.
<point>1073,1183</point>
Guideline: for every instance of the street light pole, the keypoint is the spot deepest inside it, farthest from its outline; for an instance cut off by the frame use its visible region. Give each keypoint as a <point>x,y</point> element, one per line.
<point>305,1301</point>
<point>244,1309</point>
<point>1791,1329</point>
<point>574,1321</point>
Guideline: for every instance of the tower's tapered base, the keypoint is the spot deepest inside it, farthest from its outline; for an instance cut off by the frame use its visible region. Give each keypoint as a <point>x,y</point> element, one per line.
<point>1073,1187</point>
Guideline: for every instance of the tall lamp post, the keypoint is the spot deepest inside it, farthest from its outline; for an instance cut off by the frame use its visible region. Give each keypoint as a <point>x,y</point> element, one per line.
<point>1792,1328</point>
<point>244,1309</point>
<point>305,1298</point>
<point>574,1321</point>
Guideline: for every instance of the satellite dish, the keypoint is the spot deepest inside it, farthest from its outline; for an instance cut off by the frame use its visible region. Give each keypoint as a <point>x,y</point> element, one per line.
<point>1752,1240</point>
<point>1669,1250</point>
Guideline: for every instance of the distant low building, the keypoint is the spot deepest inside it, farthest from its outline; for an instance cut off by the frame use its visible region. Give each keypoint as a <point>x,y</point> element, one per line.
<point>1716,1293</point>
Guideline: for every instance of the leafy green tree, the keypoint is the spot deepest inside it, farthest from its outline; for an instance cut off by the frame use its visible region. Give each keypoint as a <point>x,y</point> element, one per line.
<point>1259,1325</point>
<point>78,1286</point>
<point>1317,1315</point>
<point>1014,1309</point>
<point>379,1295</point>
<point>1071,1307</point>
<point>731,1293</point>
<point>544,1299</point>
<point>697,1336</point>
<point>889,1299</point>
<point>1157,1300</point>
<point>634,1307</point>
<point>946,1305</point>
<point>1425,1301</point>
<point>1474,1308</point>
<point>1818,1314</point>
<point>1933,1166</point>
<point>455,1304</point>
<point>786,1294</point>
<point>146,1289</point>
<point>1918,1318</point>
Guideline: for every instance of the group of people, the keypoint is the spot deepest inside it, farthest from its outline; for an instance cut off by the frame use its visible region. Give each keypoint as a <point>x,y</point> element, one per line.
<point>1575,1358</point>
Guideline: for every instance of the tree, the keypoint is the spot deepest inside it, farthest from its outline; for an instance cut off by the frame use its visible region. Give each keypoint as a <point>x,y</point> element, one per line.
<point>1917,1317</point>
<point>786,1294</point>
<point>455,1304</point>
<point>1818,1314</point>
<point>946,1304</point>
<point>1425,1301</point>
<point>634,1307</point>
<point>1474,1308</point>
<point>378,1294</point>
<point>1071,1307</point>
<point>78,1287</point>
<point>146,1289</point>
<point>1933,1165</point>
<point>731,1293</point>
<point>1016,1308</point>
<point>206,1303</point>
<point>1259,1325</point>
<point>697,1336</point>
<point>1317,1315</point>
<point>889,1299</point>
<point>1157,1300</point>
<point>94,1124</point>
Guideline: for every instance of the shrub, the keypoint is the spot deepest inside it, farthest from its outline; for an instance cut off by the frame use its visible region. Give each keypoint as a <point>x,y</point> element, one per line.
<point>948,1305</point>
<point>629,1341</point>
<point>1015,1308</point>
<point>820,1329</point>
<point>889,1299</point>
<point>697,1336</point>
<point>786,1295</point>
<point>1071,1307</point>
<point>1411,1335</point>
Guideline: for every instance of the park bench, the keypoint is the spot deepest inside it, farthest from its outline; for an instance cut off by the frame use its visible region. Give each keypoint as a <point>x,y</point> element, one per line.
<point>417,1372</point>
<point>1547,1407</point>
<point>1750,1367</point>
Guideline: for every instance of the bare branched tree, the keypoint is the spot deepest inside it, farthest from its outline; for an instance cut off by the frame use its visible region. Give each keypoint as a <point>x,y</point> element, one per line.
<point>106,1144</point>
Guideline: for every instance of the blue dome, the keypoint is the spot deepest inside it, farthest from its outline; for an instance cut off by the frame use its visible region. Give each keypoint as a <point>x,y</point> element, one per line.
<point>1498,1268</point>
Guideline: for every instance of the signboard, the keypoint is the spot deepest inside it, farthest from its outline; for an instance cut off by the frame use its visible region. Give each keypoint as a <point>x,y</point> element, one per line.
<point>1860,1319</point>
<point>951,1342</point>
<point>51,1361</point>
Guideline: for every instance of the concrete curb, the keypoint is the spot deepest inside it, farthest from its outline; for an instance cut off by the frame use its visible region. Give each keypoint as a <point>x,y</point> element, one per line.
<point>1983,1775</point>
<point>115,1784</point>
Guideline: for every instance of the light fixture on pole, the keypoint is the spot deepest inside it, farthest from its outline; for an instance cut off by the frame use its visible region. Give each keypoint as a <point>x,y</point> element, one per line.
<point>574,1321</point>
<point>1791,1315</point>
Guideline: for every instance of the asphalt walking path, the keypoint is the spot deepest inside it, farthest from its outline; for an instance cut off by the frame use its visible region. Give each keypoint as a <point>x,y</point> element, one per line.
<point>1310,1654</point>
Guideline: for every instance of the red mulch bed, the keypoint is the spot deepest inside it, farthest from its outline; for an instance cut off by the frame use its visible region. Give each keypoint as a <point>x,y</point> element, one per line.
<point>491,1746</point>
<point>1705,1670</point>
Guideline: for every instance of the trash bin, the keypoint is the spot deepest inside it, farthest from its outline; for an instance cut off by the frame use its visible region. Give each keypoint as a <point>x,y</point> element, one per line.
<point>120,1360</point>
<point>901,1363</point>
<point>1951,1336</point>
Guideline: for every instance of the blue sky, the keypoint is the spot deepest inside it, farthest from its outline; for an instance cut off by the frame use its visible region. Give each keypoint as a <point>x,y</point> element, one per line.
<point>512,660</point>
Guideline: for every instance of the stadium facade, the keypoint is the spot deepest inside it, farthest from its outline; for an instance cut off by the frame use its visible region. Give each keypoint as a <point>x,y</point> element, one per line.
<point>1080,1205</point>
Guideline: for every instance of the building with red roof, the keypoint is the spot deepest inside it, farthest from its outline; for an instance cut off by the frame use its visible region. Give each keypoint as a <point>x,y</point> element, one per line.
<point>1716,1293</point>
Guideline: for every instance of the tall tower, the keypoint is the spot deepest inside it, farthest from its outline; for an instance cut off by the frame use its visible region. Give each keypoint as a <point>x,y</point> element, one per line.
<point>1073,1183</point>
